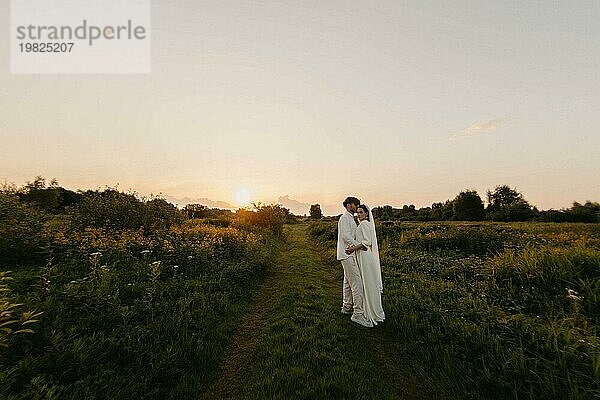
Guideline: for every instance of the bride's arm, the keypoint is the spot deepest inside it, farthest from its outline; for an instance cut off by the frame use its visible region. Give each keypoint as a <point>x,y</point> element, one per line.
<point>366,241</point>
<point>359,246</point>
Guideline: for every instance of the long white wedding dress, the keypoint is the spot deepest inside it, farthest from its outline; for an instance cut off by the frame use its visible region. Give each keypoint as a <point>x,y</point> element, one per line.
<point>370,270</point>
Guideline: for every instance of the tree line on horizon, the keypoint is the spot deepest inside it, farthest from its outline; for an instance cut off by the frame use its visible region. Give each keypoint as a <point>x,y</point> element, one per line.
<point>504,204</point>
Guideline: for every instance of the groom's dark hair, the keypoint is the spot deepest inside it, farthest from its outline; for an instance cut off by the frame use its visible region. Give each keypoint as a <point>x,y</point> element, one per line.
<point>351,200</point>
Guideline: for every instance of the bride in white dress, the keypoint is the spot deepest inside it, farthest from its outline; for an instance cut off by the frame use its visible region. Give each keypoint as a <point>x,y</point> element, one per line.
<point>367,257</point>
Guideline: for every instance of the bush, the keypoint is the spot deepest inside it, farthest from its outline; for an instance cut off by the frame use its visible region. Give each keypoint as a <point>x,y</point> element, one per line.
<point>323,231</point>
<point>315,211</point>
<point>21,232</point>
<point>53,199</point>
<point>112,209</point>
<point>264,218</point>
<point>160,214</point>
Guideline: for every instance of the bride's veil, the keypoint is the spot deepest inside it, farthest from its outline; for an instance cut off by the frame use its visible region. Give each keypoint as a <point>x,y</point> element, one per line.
<point>375,251</point>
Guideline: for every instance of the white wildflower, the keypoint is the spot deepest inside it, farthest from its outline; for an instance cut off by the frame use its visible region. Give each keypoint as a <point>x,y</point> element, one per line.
<point>573,295</point>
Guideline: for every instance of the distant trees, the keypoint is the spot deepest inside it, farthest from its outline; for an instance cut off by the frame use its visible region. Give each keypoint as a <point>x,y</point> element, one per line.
<point>506,204</point>
<point>384,213</point>
<point>552,216</point>
<point>436,211</point>
<point>113,209</point>
<point>406,213</point>
<point>50,198</point>
<point>588,212</point>
<point>468,206</point>
<point>409,212</point>
<point>196,211</point>
<point>315,211</point>
<point>442,211</point>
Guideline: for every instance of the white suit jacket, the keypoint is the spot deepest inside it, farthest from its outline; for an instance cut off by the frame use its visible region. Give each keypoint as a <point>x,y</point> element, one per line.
<point>346,231</point>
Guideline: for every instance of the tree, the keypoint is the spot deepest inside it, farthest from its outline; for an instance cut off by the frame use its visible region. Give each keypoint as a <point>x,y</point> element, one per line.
<point>520,211</point>
<point>587,212</point>
<point>507,204</point>
<point>468,206</point>
<point>424,214</point>
<point>315,211</point>
<point>37,193</point>
<point>502,197</point>
<point>436,211</point>
<point>387,213</point>
<point>442,211</point>
<point>553,216</point>
<point>196,210</point>
<point>52,198</point>
<point>268,218</point>
<point>408,212</point>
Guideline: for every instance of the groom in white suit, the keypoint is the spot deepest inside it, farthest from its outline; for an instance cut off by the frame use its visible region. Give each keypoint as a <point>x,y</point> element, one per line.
<point>352,294</point>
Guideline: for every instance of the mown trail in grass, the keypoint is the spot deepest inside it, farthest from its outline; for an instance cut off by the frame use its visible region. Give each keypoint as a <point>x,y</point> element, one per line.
<point>295,344</point>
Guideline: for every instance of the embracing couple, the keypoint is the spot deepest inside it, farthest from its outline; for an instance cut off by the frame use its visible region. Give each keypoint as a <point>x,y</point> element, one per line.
<point>358,252</point>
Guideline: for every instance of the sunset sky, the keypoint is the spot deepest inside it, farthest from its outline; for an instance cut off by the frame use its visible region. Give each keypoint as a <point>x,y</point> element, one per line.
<point>395,102</point>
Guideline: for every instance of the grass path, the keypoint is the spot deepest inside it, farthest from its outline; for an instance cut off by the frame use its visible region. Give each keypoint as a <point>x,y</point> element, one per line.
<point>295,344</point>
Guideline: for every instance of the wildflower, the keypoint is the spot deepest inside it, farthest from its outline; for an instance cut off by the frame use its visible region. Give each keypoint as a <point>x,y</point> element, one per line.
<point>573,295</point>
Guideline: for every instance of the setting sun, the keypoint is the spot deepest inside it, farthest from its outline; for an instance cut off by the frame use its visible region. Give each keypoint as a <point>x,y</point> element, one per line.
<point>243,197</point>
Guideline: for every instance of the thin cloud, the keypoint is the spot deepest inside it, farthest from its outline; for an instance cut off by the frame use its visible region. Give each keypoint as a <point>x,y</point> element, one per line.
<point>478,129</point>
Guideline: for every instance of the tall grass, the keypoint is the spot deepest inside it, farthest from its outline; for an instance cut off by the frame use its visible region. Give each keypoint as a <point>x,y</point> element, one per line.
<point>495,310</point>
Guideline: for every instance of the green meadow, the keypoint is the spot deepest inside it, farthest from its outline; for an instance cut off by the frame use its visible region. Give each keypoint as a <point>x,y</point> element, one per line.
<point>116,297</point>
<point>494,310</point>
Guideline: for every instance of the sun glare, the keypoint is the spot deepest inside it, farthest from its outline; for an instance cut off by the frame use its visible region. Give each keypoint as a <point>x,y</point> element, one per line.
<point>243,197</point>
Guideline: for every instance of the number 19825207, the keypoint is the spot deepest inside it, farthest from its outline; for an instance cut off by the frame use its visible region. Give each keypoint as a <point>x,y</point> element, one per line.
<point>46,47</point>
